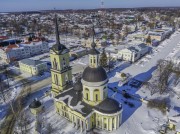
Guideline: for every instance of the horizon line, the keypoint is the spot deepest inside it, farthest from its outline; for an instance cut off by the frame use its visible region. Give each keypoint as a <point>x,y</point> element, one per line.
<point>89,9</point>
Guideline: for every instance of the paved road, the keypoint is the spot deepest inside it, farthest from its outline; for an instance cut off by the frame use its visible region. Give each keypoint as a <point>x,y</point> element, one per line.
<point>35,86</point>
<point>144,73</point>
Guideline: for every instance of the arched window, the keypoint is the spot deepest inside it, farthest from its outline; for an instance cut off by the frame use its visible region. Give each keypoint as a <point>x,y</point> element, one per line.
<point>86,89</point>
<point>96,94</point>
<point>96,97</point>
<point>56,79</point>
<point>87,96</point>
<point>55,64</point>
<point>86,93</point>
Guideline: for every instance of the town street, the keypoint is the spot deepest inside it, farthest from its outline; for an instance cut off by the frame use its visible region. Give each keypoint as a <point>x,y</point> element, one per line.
<point>143,73</point>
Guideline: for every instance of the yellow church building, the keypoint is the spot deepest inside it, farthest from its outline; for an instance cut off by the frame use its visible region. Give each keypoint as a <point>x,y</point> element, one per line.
<point>86,103</point>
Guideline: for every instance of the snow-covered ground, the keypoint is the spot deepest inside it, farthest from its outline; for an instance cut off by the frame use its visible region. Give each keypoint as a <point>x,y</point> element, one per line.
<point>49,116</point>
<point>14,90</point>
<point>147,64</point>
<point>136,120</point>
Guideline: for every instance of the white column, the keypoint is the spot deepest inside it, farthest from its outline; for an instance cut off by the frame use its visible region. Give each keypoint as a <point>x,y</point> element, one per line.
<point>101,92</point>
<point>84,125</point>
<point>102,122</point>
<point>88,123</point>
<point>117,125</point>
<point>81,125</point>
<point>120,118</point>
<point>76,123</point>
<point>107,123</point>
<point>111,120</point>
<point>91,94</point>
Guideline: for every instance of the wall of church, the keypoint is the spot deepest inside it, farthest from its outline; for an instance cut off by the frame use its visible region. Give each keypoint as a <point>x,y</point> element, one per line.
<point>108,122</point>
<point>94,95</point>
<point>74,117</point>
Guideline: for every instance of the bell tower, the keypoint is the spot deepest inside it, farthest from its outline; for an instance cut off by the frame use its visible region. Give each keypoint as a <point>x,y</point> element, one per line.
<point>60,69</point>
<point>94,78</point>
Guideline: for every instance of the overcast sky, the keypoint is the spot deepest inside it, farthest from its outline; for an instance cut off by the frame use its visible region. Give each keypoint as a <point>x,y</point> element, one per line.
<point>26,5</point>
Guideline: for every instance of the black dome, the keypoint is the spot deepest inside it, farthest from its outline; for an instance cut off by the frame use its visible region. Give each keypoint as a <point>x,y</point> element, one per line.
<point>108,106</point>
<point>78,86</point>
<point>94,74</point>
<point>61,48</point>
<point>94,52</point>
<point>35,104</point>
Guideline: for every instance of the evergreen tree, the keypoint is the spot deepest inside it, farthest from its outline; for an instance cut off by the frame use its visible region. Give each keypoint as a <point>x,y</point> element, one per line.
<point>148,40</point>
<point>103,59</point>
<point>126,31</point>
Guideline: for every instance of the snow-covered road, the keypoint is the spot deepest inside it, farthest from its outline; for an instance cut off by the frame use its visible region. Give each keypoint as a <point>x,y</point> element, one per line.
<point>144,72</point>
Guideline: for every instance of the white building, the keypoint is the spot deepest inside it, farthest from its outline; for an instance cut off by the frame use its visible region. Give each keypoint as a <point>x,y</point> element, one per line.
<point>21,51</point>
<point>133,53</point>
<point>160,34</point>
<point>33,67</point>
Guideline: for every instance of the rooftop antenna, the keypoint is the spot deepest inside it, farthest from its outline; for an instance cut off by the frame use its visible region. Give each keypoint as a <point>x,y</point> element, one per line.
<point>102,8</point>
<point>102,4</point>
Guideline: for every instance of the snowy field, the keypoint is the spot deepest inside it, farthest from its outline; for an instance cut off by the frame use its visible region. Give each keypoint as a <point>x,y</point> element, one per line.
<point>15,89</point>
<point>136,120</point>
<point>48,117</point>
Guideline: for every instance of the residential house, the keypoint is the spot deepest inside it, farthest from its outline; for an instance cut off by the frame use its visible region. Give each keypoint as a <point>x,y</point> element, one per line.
<point>34,67</point>
<point>20,51</point>
<point>133,53</point>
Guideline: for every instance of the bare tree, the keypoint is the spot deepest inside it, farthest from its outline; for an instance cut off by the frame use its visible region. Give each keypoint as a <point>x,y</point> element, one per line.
<point>2,90</point>
<point>23,121</point>
<point>152,87</point>
<point>50,129</point>
<point>165,69</point>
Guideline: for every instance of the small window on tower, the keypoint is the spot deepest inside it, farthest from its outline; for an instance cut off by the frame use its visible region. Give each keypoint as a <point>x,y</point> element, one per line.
<point>64,62</point>
<point>56,79</point>
<point>55,64</point>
